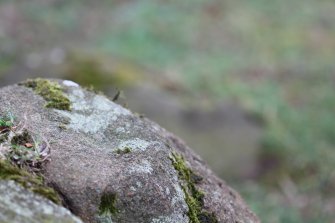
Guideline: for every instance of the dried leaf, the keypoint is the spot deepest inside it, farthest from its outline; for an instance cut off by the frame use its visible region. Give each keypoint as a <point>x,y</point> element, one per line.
<point>28,145</point>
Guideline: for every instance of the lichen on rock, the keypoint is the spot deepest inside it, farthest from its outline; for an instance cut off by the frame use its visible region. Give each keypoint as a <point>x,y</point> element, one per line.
<point>136,144</point>
<point>91,114</point>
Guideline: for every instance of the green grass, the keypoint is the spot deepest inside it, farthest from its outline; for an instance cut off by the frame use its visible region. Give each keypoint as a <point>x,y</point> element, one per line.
<point>275,58</point>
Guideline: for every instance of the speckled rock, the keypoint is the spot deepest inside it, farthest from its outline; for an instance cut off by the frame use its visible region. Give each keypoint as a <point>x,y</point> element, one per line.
<point>19,205</point>
<point>111,165</point>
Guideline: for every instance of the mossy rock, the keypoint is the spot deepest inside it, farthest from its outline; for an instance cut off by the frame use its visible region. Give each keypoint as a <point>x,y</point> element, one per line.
<point>110,165</point>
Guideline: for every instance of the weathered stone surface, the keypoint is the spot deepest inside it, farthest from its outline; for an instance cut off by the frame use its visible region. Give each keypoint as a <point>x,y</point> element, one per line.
<point>19,205</point>
<point>110,165</point>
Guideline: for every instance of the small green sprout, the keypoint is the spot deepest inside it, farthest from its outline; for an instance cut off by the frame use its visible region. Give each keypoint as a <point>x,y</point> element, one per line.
<point>6,121</point>
<point>25,150</point>
<point>21,156</point>
<point>19,146</point>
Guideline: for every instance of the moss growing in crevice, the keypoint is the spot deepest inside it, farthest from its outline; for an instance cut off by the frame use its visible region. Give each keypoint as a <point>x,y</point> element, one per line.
<point>123,150</point>
<point>108,204</point>
<point>51,91</point>
<point>194,198</point>
<point>28,180</point>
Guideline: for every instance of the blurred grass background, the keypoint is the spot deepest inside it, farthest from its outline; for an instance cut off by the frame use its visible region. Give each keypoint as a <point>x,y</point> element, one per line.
<point>273,59</point>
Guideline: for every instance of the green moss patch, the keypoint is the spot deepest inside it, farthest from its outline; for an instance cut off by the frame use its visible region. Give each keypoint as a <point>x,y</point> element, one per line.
<point>108,204</point>
<point>193,196</point>
<point>124,150</point>
<point>51,91</point>
<point>28,180</point>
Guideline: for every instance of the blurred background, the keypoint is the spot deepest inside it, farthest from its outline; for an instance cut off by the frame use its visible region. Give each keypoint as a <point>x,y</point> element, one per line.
<point>248,84</point>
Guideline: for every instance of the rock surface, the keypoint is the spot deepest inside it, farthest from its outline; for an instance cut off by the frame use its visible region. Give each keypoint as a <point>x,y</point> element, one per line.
<point>18,204</point>
<point>110,165</point>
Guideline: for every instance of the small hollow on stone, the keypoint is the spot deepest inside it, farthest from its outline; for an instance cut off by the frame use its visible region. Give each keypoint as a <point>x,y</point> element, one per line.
<point>21,139</point>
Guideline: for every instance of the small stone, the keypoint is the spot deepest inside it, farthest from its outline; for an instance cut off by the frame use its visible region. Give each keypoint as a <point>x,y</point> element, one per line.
<point>69,83</point>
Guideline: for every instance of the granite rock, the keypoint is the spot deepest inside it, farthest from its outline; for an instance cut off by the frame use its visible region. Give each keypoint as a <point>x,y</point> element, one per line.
<point>111,165</point>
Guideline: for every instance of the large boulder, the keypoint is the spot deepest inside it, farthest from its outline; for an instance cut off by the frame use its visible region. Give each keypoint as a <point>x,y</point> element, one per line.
<point>111,165</point>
